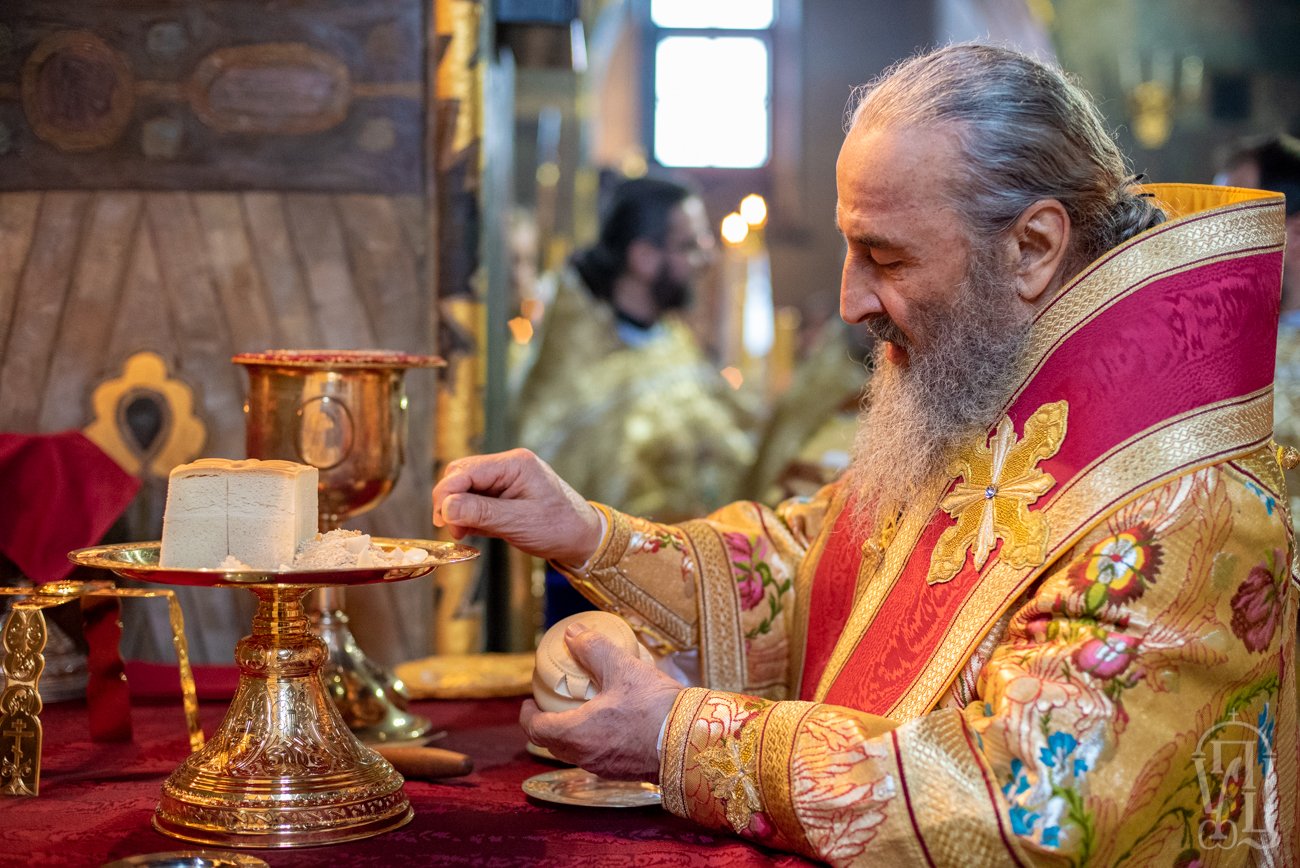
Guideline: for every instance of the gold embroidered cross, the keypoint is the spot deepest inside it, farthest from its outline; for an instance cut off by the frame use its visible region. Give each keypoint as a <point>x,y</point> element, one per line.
<point>998,482</point>
<point>729,767</point>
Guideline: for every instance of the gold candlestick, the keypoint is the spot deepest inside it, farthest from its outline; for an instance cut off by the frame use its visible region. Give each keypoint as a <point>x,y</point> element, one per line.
<point>343,412</point>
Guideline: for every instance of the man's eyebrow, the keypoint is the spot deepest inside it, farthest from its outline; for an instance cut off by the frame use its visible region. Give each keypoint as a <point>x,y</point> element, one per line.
<point>867,239</point>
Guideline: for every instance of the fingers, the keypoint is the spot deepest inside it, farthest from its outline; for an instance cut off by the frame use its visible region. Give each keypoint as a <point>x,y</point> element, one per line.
<point>533,721</point>
<point>527,712</point>
<point>547,729</point>
<point>488,516</point>
<point>634,711</point>
<point>518,497</point>
<point>464,510</point>
<point>472,473</point>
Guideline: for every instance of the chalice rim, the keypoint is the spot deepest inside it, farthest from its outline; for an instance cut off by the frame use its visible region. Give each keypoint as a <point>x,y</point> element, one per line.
<point>325,359</point>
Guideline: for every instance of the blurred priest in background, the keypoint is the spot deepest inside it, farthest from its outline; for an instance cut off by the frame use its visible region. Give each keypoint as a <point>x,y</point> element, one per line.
<point>615,392</point>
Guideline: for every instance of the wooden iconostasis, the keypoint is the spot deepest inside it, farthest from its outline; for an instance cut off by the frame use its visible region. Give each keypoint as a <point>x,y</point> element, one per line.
<point>183,181</point>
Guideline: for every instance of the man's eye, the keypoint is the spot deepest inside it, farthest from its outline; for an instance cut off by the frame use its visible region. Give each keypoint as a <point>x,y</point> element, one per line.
<point>885,262</point>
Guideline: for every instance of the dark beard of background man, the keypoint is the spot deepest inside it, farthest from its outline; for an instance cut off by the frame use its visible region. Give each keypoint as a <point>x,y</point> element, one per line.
<point>914,418</point>
<point>670,294</point>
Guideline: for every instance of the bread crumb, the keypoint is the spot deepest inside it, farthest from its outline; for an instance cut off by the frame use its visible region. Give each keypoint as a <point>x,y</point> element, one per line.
<point>352,548</point>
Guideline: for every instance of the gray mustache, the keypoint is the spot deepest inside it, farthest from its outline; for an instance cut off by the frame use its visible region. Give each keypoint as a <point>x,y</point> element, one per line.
<point>885,329</point>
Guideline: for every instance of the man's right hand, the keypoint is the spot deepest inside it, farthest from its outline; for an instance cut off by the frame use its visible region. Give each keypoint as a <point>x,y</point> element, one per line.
<point>518,497</point>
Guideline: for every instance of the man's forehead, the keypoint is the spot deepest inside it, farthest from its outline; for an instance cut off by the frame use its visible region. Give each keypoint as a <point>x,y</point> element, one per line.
<point>888,158</point>
<point>866,217</point>
<point>891,171</point>
<point>688,218</point>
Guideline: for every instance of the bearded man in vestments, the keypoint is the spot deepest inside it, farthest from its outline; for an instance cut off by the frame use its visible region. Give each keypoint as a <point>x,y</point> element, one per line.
<point>1047,616</point>
<point>615,392</point>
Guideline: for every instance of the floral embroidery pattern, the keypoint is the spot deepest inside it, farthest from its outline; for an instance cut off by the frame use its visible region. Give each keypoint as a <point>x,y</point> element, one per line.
<point>998,482</point>
<point>652,541</point>
<point>1264,497</point>
<point>1207,802</point>
<point>1257,606</point>
<point>1108,657</point>
<point>1046,801</point>
<point>1264,749</point>
<point>1140,610</point>
<point>1117,569</point>
<point>754,580</point>
<point>844,784</point>
<point>729,768</point>
<point>1224,807</point>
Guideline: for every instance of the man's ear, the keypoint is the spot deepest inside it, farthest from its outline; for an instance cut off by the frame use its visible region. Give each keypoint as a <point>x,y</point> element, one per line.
<point>1040,240</point>
<point>643,258</point>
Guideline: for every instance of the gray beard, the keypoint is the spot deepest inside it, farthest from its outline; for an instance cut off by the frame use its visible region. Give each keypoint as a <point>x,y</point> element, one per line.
<point>915,418</point>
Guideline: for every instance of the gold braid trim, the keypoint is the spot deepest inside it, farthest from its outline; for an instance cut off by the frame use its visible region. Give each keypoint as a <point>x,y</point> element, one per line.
<point>951,795</point>
<point>672,761</point>
<point>615,539</point>
<point>873,592</point>
<point>605,584</point>
<point>781,728</point>
<point>722,641</point>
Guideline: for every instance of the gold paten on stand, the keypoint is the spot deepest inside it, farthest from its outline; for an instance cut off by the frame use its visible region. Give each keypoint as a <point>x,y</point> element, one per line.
<point>283,769</point>
<point>24,636</point>
<point>343,412</point>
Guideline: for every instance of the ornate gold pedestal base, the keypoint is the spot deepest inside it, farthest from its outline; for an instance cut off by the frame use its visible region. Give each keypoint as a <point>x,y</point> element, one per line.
<point>283,769</point>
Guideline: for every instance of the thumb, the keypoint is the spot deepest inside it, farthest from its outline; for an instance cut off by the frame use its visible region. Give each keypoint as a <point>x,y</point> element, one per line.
<point>473,510</point>
<point>594,652</point>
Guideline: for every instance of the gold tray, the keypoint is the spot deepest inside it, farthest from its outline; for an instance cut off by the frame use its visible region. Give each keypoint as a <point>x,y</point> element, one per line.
<point>579,787</point>
<point>189,859</point>
<point>139,561</point>
<point>467,676</point>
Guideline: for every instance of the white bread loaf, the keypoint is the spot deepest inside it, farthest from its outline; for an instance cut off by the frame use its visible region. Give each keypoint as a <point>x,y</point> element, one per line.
<point>259,512</point>
<point>559,681</point>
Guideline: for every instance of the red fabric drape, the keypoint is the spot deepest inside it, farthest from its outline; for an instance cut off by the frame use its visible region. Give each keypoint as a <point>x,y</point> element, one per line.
<point>58,492</point>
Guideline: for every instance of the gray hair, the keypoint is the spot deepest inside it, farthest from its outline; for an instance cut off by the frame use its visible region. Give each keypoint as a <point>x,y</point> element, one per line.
<point>1026,133</point>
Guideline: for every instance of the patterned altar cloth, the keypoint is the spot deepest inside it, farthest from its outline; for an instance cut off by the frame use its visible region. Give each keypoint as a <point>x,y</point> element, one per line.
<point>97,800</point>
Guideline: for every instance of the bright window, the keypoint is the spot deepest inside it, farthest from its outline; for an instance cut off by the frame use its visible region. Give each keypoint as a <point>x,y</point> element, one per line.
<point>719,14</point>
<point>712,93</point>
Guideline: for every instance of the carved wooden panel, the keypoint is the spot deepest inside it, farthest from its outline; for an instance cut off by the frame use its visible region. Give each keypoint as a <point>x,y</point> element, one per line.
<point>326,95</point>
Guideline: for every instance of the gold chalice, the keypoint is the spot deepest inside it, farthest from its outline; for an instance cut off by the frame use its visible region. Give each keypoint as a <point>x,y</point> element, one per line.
<point>343,412</point>
<point>282,769</point>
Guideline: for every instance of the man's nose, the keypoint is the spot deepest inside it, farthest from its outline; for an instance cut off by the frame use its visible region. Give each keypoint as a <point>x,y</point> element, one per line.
<point>706,252</point>
<point>858,299</point>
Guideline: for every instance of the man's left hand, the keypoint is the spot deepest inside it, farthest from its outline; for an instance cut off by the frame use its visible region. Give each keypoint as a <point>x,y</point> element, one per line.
<point>616,734</point>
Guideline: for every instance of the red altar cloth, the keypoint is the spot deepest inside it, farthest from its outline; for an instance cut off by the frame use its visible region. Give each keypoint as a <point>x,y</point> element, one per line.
<point>61,493</point>
<point>97,800</point>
